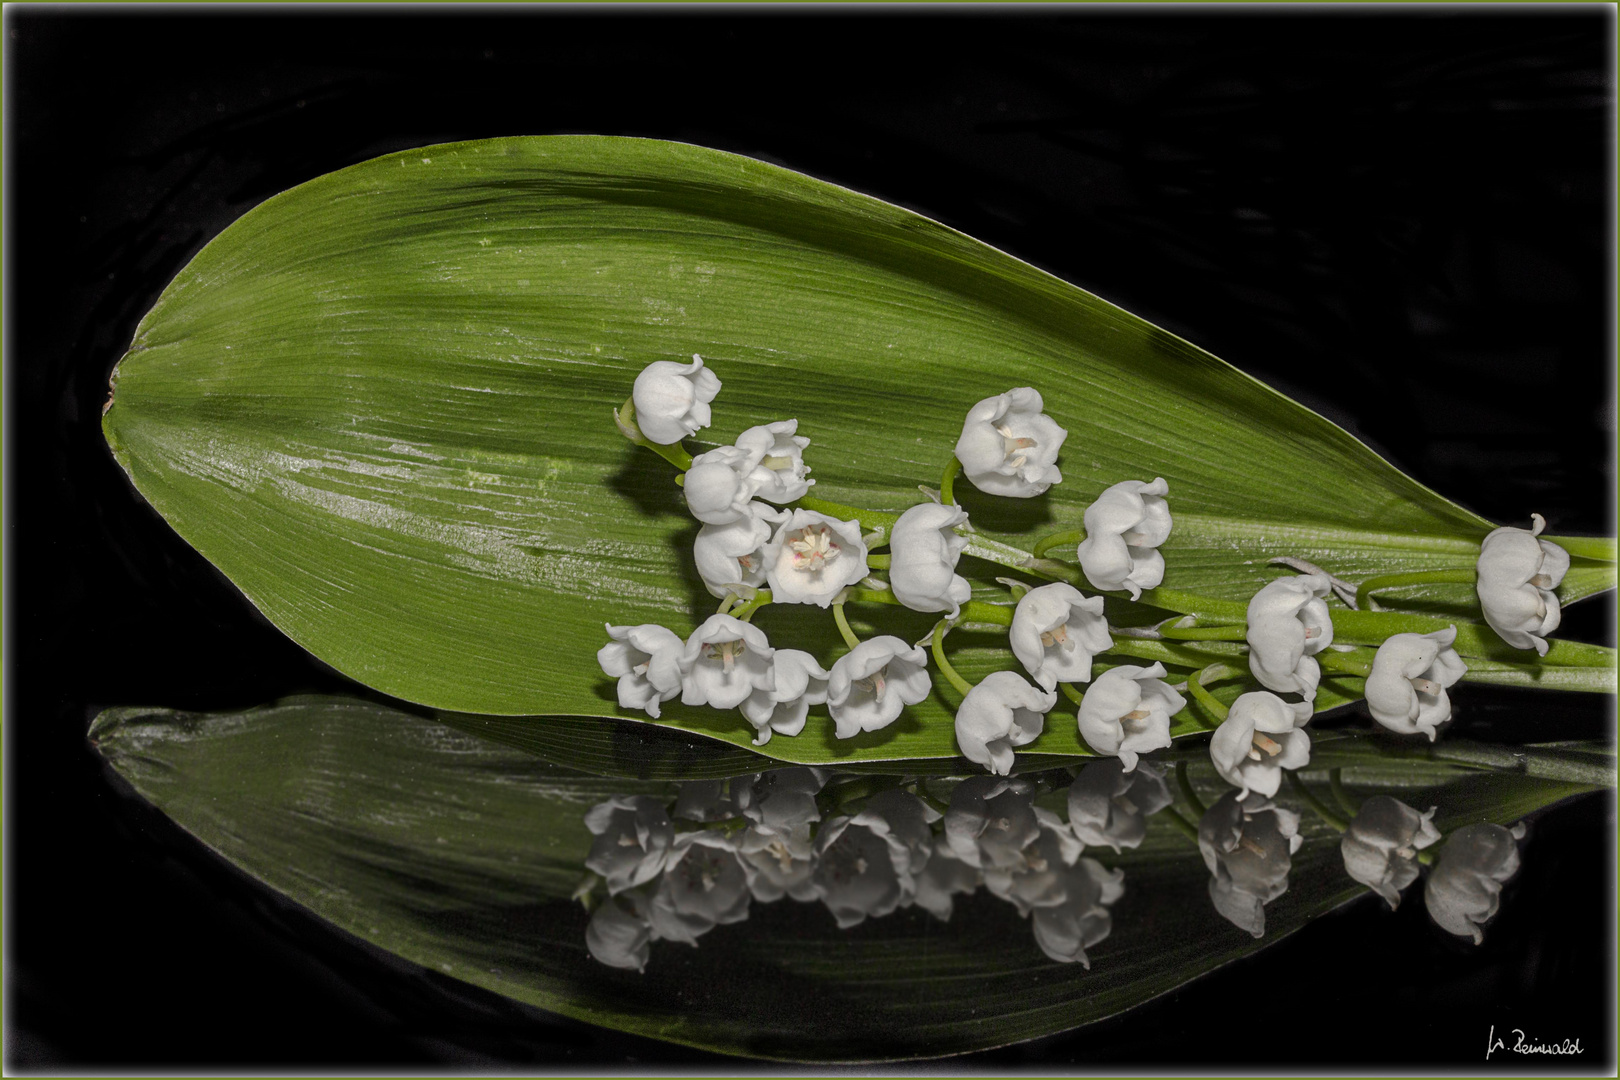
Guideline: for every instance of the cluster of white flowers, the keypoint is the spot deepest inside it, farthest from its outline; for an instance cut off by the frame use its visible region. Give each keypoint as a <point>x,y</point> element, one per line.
<point>766,839</point>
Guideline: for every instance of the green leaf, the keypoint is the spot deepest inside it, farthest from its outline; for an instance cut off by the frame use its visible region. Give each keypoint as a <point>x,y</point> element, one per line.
<point>460,855</point>
<point>382,404</point>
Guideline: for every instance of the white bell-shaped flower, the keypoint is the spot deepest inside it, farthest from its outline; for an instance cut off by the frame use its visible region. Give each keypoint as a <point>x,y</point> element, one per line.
<point>1260,738</point>
<point>778,460</point>
<point>991,820</point>
<point>812,558</point>
<point>720,485</point>
<point>704,885</point>
<point>1064,931</point>
<point>1127,712</point>
<point>1406,691</point>
<point>646,660</point>
<point>1008,445</point>
<point>943,877</point>
<point>800,683</point>
<point>1380,849</point>
<point>733,555</point>
<point>633,835</point>
<point>777,849</point>
<point>1465,886</point>
<point>1001,712</point>
<point>1108,805</point>
<point>725,661</point>
<point>672,400</point>
<point>1036,880</point>
<point>1249,848</point>
<point>870,684</point>
<point>924,549</point>
<point>619,934</point>
<point>866,866</point>
<point>1124,529</point>
<point>1055,633</point>
<point>1288,624</point>
<point>1517,573</point>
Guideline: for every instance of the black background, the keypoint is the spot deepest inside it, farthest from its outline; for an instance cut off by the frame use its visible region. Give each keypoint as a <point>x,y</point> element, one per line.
<point>1400,218</point>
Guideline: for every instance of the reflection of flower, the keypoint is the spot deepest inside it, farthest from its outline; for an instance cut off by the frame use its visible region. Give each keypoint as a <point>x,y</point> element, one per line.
<point>734,554</point>
<point>866,866</point>
<point>703,800</point>
<point>782,803</point>
<point>1465,886</point>
<point>812,558</point>
<point>924,548</point>
<point>942,877</point>
<point>704,885</point>
<point>778,460</point>
<point>1406,691</point>
<point>646,660</point>
<point>1065,930</point>
<point>1037,879</point>
<point>619,934</point>
<point>1055,633</point>
<point>1248,847</point>
<point>800,683</point>
<point>870,684</point>
<point>1008,445</point>
<point>1124,529</point>
<point>1288,624</point>
<point>725,660</point>
<point>991,820</point>
<point>1380,849</point>
<point>672,400</point>
<point>1517,573</point>
<point>1108,805</point>
<point>1260,738</point>
<point>1001,712</point>
<point>1127,712</point>
<point>633,834</point>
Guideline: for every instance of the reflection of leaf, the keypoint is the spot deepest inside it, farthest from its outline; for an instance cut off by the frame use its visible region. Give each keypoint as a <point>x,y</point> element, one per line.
<point>460,855</point>
<point>381,402</point>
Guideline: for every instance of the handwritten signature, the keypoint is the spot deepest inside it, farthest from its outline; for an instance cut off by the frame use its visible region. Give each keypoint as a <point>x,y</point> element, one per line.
<point>1521,1046</point>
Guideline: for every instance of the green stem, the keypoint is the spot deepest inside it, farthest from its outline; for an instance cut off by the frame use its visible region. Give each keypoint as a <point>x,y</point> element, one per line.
<point>746,612</point>
<point>1068,538</point>
<point>1187,791</point>
<point>1204,633</point>
<point>1068,691</point>
<point>878,562</point>
<point>1193,604</point>
<point>725,605</point>
<point>1316,804</point>
<point>1344,663</point>
<point>1195,686</point>
<point>1340,796</point>
<point>1365,590</point>
<point>868,519</point>
<point>948,481</point>
<point>843,626</point>
<point>1182,825</point>
<point>961,684</point>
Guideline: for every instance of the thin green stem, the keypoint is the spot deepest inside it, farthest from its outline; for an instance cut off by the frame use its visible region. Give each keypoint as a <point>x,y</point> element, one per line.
<point>1340,796</point>
<point>1193,604</point>
<point>1321,808</point>
<point>871,596</point>
<point>843,626</point>
<point>1067,538</point>
<point>1182,825</point>
<point>961,684</point>
<point>746,612</point>
<point>1208,700</point>
<point>977,611</point>
<point>869,519</point>
<point>725,605</point>
<point>1365,590</point>
<point>1068,691</point>
<point>1204,633</point>
<point>948,481</point>
<point>1184,782</point>
<point>1344,663</point>
<point>877,562</point>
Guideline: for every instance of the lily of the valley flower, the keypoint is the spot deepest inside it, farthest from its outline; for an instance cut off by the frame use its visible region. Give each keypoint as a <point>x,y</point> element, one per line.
<point>1008,445</point>
<point>1406,691</point>
<point>991,820</point>
<point>1248,847</point>
<point>924,549</point>
<point>1124,529</point>
<point>1380,849</point>
<point>646,660</point>
<point>672,400</point>
<point>1001,712</point>
<point>725,661</point>
<point>778,457</point>
<point>1108,805</point>
<point>943,877</point>
<point>1127,712</point>
<point>777,849</point>
<point>1288,624</point>
<point>619,934</point>
<point>1260,738</point>
<point>800,683</point>
<point>633,835</point>
<point>1465,886</point>
<point>1036,879</point>
<point>870,684</point>
<point>1517,573</point>
<point>812,558</point>
<point>704,886</point>
<point>733,555</point>
<point>1055,633</point>
<point>1064,931</point>
<point>720,485</point>
<point>866,866</point>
